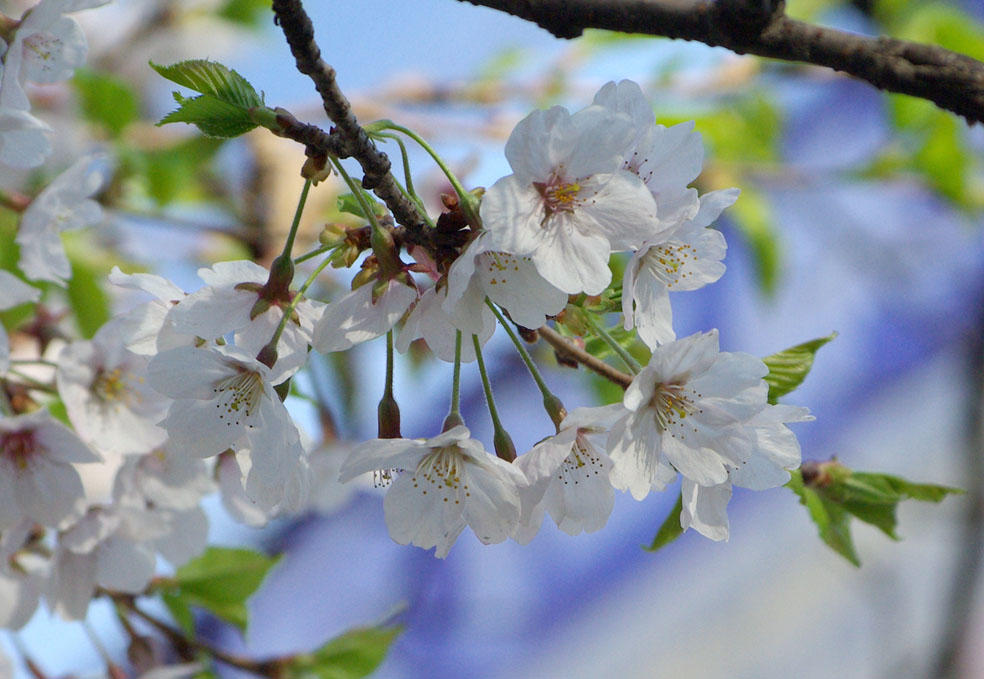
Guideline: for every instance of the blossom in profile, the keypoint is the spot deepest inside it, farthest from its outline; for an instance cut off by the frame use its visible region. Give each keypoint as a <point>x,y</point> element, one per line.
<point>24,139</point>
<point>66,203</point>
<point>37,477</point>
<point>569,203</point>
<point>509,281</point>
<point>232,301</point>
<point>438,328</point>
<point>688,258</point>
<point>568,476</point>
<point>687,411</point>
<point>442,484</point>
<point>359,316</point>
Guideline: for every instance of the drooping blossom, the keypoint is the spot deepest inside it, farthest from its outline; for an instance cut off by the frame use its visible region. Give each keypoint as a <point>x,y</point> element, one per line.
<point>430,321</point>
<point>442,484</point>
<point>688,258</point>
<point>231,302</point>
<point>511,282</point>
<point>146,328</point>
<point>568,476</point>
<point>356,317</point>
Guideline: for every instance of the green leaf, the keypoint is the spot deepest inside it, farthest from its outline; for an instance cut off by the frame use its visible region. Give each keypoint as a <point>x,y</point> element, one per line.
<point>833,522</point>
<point>357,653</point>
<point>214,117</point>
<point>180,611</point>
<point>220,581</point>
<point>788,369</point>
<point>835,494</point>
<point>350,204</point>
<point>106,100</point>
<point>671,528</point>
<point>226,98</point>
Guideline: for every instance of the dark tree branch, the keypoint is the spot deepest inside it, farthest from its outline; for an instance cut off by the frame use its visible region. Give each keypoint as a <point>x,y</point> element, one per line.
<point>351,140</point>
<point>952,81</point>
<point>567,350</point>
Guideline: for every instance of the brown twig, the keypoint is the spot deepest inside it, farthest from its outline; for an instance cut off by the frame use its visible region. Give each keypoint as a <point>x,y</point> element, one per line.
<point>353,140</point>
<point>182,642</point>
<point>952,81</point>
<point>566,349</point>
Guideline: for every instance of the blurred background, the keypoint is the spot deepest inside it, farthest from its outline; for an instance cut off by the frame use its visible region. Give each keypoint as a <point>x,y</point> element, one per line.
<point>860,213</point>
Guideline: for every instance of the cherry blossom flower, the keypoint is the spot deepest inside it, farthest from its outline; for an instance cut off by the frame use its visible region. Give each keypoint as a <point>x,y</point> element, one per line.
<point>568,476</point>
<point>666,159</point>
<point>688,258</point>
<point>444,484</point>
<point>15,293</point>
<point>776,450</point>
<point>64,204</point>
<point>146,328</point>
<point>355,317</point>
<point>110,546</point>
<point>105,393</point>
<point>229,303</point>
<point>47,48</point>
<point>37,479</point>
<point>687,411</point>
<point>22,576</point>
<point>569,203</point>
<point>430,321</point>
<point>509,281</point>
<point>223,397</point>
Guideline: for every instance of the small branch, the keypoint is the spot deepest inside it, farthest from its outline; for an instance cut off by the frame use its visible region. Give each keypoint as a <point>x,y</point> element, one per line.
<point>566,349</point>
<point>952,81</point>
<point>354,142</point>
<point>181,643</point>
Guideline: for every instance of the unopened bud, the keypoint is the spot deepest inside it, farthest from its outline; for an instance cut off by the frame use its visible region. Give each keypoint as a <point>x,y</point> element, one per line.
<point>388,415</point>
<point>504,448</point>
<point>333,235</point>
<point>555,409</point>
<point>268,355</point>
<point>451,421</point>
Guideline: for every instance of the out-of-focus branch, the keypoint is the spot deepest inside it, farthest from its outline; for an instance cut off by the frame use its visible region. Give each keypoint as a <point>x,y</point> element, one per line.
<point>567,350</point>
<point>353,140</point>
<point>952,81</point>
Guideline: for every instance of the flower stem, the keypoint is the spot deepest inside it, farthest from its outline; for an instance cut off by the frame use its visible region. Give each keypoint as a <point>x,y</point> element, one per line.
<point>289,245</point>
<point>468,202</point>
<point>504,447</point>
<point>553,405</point>
<point>619,350</point>
<point>454,417</point>
<point>271,347</point>
<point>381,239</point>
<point>311,255</point>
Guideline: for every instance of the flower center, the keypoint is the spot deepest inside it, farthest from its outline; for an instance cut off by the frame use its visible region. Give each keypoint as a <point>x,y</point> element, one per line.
<point>238,396</point>
<point>559,195</point>
<point>110,386</point>
<point>669,262</point>
<point>582,463</point>
<point>18,447</point>
<point>672,404</point>
<point>440,472</point>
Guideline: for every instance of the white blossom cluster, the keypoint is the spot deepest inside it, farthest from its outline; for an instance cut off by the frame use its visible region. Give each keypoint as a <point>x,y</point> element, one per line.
<point>178,396</point>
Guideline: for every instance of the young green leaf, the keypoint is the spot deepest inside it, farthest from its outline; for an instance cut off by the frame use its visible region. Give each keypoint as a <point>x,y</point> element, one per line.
<point>671,528</point>
<point>350,204</point>
<point>834,494</point>
<point>788,369</point>
<point>220,581</point>
<point>223,109</point>
<point>357,653</point>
